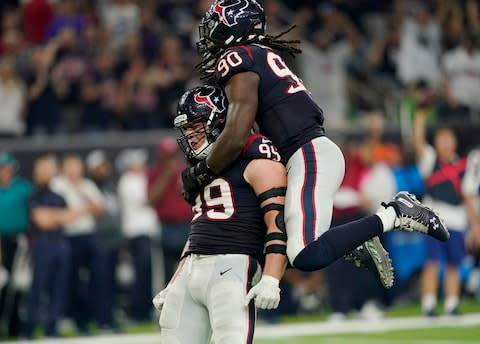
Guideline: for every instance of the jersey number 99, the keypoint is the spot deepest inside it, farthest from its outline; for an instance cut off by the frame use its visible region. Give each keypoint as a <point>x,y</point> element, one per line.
<point>215,201</point>
<point>281,70</point>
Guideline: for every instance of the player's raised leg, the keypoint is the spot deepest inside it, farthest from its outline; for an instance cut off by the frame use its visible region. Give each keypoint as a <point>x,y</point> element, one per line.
<point>183,320</point>
<point>315,173</point>
<point>311,198</point>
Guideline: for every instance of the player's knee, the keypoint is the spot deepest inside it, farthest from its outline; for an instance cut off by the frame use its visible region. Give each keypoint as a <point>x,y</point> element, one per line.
<point>170,316</point>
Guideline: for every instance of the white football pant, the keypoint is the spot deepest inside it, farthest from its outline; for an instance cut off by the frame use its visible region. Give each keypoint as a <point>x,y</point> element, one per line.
<point>208,297</point>
<point>315,173</point>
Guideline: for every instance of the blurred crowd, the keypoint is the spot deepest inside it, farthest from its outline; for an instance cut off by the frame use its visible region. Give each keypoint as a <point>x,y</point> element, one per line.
<point>83,65</point>
<point>82,236</point>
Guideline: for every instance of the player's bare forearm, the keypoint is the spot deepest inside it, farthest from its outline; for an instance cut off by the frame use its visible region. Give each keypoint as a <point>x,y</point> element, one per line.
<point>242,96</point>
<point>263,176</point>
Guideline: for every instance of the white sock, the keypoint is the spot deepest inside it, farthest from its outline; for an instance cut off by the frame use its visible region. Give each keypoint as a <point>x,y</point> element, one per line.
<point>388,217</point>
<point>429,302</point>
<point>451,302</point>
<point>473,282</point>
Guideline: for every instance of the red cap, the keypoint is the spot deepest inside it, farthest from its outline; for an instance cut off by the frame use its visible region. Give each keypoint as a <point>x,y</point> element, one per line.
<point>167,146</point>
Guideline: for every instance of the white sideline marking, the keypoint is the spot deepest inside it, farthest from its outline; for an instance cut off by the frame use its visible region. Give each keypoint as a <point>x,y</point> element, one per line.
<point>296,330</point>
<point>361,326</point>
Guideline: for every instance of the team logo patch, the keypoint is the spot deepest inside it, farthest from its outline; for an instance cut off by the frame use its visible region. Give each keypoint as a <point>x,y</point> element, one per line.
<point>229,13</point>
<point>214,102</point>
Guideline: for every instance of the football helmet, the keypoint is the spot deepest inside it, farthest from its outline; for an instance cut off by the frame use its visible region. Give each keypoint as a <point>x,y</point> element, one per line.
<point>201,115</point>
<point>230,22</point>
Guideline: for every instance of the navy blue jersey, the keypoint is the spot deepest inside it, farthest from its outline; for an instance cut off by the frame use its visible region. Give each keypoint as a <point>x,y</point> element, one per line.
<point>227,217</point>
<point>286,112</point>
<point>46,198</point>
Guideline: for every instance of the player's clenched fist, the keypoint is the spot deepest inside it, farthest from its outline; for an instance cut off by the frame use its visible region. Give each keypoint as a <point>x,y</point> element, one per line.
<point>194,179</point>
<point>266,293</point>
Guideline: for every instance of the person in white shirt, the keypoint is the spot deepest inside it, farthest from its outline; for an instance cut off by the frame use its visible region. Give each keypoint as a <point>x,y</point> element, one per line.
<point>120,17</point>
<point>139,225</point>
<point>419,49</point>
<point>462,74</point>
<point>12,98</point>
<point>81,194</point>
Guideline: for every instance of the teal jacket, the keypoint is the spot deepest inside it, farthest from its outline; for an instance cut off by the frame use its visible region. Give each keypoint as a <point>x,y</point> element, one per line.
<point>14,209</point>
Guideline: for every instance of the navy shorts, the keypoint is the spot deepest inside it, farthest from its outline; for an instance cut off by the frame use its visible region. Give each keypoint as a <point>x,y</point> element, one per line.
<point>453,250</point>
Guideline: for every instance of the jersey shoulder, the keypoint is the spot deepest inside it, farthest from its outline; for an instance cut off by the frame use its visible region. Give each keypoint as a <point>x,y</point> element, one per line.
<point>239,59</point>
<point>260,147</point>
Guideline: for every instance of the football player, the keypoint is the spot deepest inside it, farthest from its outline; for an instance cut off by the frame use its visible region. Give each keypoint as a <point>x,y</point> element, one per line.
<point>260,88</point>
<point>237,223</point>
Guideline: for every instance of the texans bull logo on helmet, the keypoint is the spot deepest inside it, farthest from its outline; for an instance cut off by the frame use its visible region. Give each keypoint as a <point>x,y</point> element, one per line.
<point>216,103</point>
<point>228,12</point>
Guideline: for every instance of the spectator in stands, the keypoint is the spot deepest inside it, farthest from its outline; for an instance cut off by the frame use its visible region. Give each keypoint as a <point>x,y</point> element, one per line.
<point>443,172</point>
<point>71,64</point>
<point>453,25</point>
<point>66,16</point>
<point>37,15</point>
<point>120,17</point>
<point>472,179</point>
<point>165,195</point>
<point>383,55</point>
<point>14,194</point>
<point>139,225</point>
<point>150,32</point>
<point>472,183</point>
<point>462,78</point>
<point>108,230</point>
<point>81,194</point>
<point>12,41</point>
<point>12,100</point>
<point>139,88</point>
<point>171,72</point>
<point>278,19</point>
<point>50,250</point>
<point>349,205</point>
<point>323,64</point>
<point>46,88</point>
<point>419,52</point>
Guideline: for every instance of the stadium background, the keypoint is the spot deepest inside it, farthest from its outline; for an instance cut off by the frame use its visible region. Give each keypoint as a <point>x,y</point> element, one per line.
<point>115,70</point>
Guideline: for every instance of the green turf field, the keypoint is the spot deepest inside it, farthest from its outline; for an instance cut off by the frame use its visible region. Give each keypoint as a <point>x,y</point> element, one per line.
<point>423,336</point>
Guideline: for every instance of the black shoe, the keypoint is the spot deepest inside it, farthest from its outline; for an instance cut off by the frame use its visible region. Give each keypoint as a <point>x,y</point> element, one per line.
<point>454,312</point>
<point>431,313</point>
<point>375,258</point>
<point>412,215</point>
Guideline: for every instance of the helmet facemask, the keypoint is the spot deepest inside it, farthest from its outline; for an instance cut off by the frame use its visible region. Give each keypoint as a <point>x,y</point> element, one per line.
<point>196,139</point>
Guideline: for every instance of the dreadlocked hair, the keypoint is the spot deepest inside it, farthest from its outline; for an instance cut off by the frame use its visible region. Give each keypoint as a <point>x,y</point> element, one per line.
<point>274,42</point>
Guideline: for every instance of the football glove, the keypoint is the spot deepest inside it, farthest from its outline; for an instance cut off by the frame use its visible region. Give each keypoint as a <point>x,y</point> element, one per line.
<point>194,179</point>
<point>159,299</point>
<point>266,293</point>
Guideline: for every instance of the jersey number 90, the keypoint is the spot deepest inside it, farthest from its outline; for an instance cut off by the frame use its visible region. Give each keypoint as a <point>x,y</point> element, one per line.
<point>276,64</point>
